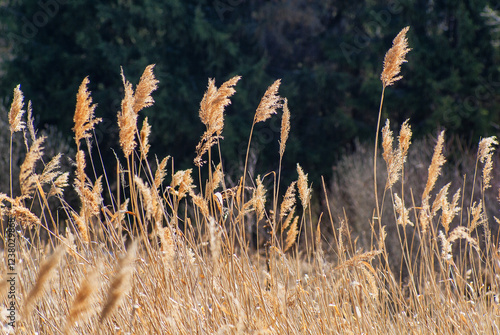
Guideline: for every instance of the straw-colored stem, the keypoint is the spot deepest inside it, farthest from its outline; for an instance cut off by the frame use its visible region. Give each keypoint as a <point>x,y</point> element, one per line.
<point>375,159</point>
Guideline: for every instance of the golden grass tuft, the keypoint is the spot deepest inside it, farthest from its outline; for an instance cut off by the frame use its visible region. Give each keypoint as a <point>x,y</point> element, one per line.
<point>394,58</point>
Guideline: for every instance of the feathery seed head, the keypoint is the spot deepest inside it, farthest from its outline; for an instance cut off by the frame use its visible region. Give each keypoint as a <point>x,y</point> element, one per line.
<point>212,114</point>
<point>16,111</point>
<point>304,190</point>
<point>285,127</point>
<point>147,84</point>
<point>394,58</point>
<point>269,103</point>
<point>84,113</point>
<point>486,150</point>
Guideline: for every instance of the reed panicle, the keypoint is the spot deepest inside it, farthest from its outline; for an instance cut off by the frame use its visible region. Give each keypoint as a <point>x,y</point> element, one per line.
<point>434,171</point>
<point>463,233</point>
<point>167,245</point>
<point>47,269</point>
<point>215,239</point>
<point>395,159</point>
<point>81,306</point>
<point>403,218</point>
<point>147,85</point>
<point>121,282</point>
<point>269,103</point>
<point>477,215</point>
<point>132,104</point>
<point>394,58</point>
<point>288,200</point>
<point>285,126</point>
<point>184,181</point>
<point>29,124</point>
<point>24,216</point>
<point>84,118</point>
<point>289,217</point>
<point>16,111</point>
<point>148,200</point>
<point>27,176</point>
<point>127,119</point>
<point>259,199</point>
<point>144,135</point>
<point>201,203</point>
<point>160,172</point>
<point>291,236</point>
<point>302,185</point>
<point>212,114</point>
<point>450,210</point>
<point>82,227</point>
<point>486,150</point>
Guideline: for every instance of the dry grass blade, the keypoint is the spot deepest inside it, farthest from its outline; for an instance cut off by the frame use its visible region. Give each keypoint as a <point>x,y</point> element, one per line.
<point>394,58</point>
<point>44,275</point>
<point>269,103</point>
<point>120,284</point>
<point>16,111</point>
<point>84,113</point>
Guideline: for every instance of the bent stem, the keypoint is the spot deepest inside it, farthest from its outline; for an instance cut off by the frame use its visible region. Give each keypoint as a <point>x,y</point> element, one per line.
<point>375,159</point>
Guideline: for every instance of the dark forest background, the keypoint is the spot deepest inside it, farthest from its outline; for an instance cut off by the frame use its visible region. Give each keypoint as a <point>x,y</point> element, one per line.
<point>329,55</point>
